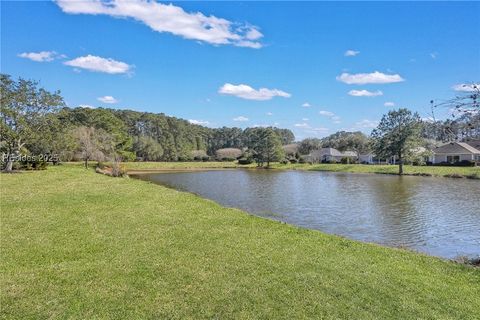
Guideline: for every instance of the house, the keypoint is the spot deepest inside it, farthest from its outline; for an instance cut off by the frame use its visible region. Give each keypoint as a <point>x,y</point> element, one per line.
<point>329,155</point>
<point>474,143</point>
<point>457,151</point>
<point>371,158</point>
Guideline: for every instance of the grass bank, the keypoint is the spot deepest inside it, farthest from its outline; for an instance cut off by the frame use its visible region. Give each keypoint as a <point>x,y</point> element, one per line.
<point>460,172</point>
<point>75,244</point>
<point>465,172</point>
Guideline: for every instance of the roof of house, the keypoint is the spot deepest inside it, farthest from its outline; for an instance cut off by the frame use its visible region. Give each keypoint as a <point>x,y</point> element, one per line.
<point>456,147</point>
<point>474,143</point>
<point>333,152</point>
<point>349,153</point>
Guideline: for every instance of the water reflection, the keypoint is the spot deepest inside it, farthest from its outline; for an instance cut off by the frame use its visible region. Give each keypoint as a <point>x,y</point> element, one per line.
<point>438,216</point>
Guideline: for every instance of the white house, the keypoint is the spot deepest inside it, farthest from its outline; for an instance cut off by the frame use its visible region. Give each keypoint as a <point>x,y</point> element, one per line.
<point>330,154</point>
<point>456,151</point>
<point>371,158</point>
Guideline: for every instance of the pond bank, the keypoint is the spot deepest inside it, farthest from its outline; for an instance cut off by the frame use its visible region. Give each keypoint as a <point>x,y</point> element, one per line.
<point>426,171</point>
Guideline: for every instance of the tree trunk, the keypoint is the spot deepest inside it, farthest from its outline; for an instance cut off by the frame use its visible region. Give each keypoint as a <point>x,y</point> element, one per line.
<point>9,166</point>
<point>400,165</point>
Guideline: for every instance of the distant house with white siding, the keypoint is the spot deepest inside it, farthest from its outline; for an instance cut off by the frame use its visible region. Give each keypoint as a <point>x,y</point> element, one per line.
<point>371,158</point>
<point>330,154</point>
<point>457,151</point>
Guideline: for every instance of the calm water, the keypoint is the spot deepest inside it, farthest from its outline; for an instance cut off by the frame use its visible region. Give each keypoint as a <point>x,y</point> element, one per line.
<point>438,216</point>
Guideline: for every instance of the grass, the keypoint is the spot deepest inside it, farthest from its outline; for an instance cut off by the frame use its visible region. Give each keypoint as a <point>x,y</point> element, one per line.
<point>178,165</point>
<point>75,244</point>
<point>469,172</point>
<point>472,172</point>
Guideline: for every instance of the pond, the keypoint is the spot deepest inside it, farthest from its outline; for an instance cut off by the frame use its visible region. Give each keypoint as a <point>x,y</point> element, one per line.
<point>437,216</point>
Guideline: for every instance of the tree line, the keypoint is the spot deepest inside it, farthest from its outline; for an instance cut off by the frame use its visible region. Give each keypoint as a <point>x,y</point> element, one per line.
<point>36,121</point>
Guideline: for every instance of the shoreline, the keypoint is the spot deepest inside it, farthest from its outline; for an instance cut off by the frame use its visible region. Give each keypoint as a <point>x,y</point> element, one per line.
<point>455,259</point>
<point>472,173</point>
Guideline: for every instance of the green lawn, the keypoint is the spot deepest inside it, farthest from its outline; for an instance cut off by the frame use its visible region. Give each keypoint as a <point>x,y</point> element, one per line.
<point>179,165</point>
<point>470,172</point>
<point>80,245</point>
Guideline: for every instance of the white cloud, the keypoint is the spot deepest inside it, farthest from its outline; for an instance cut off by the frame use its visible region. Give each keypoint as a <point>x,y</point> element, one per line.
<point>86,106</point>
<point>199,122</point>
<point>107,99</point>
<point>389,104</point>
<point>246,92</point>
<point>317,132</point>
<point>336,119</point>
<point>269,114</point>
<point>326,113</point>
<point>428,119</point>
<point>306,105</point>
<point>331,115</point>
<point>320,129</point>
<point>466,87</point>
<point>240,118</point>
<point>365,78</point>
<point>172,19</point>
<point>365,93</point>
<point>42,56</point>
<point>305,119</point>
<point>99,64</point>
<point>433,55</point>
<point>351,53</point>
<point>302,125</point>
<point>266,125</point>
<point>365,124</point>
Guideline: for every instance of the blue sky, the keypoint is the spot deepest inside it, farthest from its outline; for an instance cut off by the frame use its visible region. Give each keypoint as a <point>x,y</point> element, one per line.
<point>323,66</point>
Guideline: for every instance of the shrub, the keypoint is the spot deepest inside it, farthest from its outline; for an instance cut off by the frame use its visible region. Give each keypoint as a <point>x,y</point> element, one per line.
<point>290,149</point>
<point>118,170</point>
<point>463,163</point>
<point>205,158</point>
<point>228,154</point>
<point>198,155</point>
<point>293,160</point>
<point>302,160</point>
<point>347,160</point>
<point>31,164</point>
<point>244,161</point>
<point>284,161</point>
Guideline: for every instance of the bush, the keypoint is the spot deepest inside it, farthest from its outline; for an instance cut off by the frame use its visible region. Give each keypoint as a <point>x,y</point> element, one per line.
<point>118,170</point>
<point>205,158</point>
<point>31,165</point>
<point>198,155</point>
<point>244,161</point>
<point>302,160</point>
<point>293,160</point>
<point>228,154</point>
<point>347,160</point>
<point>463,163</point>
<point>284,161</point>
<point>329,161</point>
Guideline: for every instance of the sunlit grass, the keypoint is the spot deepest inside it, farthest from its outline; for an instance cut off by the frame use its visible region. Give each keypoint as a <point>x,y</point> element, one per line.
<point>385,169</point>
<point>471,172</point>
<point>75,244</point>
